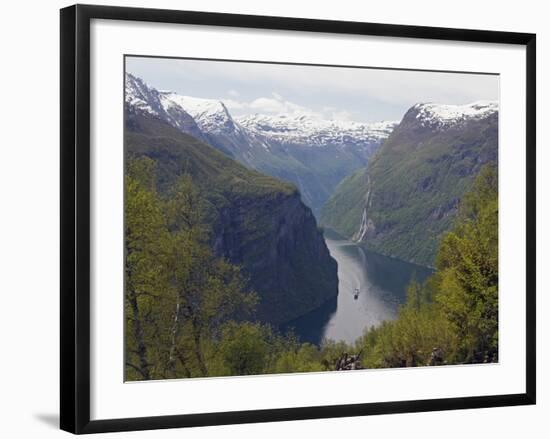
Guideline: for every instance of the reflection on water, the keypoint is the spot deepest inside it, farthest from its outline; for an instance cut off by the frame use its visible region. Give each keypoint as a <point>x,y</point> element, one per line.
<point>382,284</point>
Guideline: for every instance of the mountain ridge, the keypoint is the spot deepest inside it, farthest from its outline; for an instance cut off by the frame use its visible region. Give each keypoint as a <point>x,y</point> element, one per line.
<point>409,193</point>
<point>315,159</point>
<point>307,130</point>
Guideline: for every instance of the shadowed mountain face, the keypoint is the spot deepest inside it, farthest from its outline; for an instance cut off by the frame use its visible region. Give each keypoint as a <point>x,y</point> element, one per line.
<point>314,155</point>
<point>402,202</point>
<point>258,222</point>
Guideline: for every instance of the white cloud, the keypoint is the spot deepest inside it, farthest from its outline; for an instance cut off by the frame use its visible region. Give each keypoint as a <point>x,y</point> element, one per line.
<point>278,105</point>
<point>341,115</point>
<point>394,86</point>
<point>364,94</point>
<point>269,105</point>
<point>232,104</point>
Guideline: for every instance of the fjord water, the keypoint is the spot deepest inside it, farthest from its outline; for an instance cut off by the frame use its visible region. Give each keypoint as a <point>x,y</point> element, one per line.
<point>382,283</point>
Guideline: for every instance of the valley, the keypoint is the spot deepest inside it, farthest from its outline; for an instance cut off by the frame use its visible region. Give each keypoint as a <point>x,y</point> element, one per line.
<point>314,210</point>
<point>314,155</point>
<point>371,288</point>
<point>253,221</point>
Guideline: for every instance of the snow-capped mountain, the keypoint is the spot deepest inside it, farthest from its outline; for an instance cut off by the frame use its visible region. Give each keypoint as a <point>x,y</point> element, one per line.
<point>141,98</point>
<point>213,117</point>
<point>217,126</point>
<point>443,116</point>
<point>312,131</point>
<point>210,115</point>
<point>409,195</point>
<point>312,153</point>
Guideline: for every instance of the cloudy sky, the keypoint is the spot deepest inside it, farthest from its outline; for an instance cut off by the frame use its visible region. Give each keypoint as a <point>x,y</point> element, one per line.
<point>361,94</point>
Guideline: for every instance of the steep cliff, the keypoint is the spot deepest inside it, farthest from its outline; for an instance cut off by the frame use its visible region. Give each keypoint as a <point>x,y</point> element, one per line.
<point>408,195</point>
<point>344,209</point>
<point>257,222</point>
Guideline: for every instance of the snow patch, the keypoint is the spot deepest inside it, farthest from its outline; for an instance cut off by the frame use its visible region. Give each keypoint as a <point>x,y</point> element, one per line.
<point>305,129</point>
<point>138,95</point>
<point>210,115</point>
<point>298,129</point>
<point>441,115</point>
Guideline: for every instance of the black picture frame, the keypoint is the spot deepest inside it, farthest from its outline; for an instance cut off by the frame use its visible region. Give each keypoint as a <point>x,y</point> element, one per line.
<point>75,217</point>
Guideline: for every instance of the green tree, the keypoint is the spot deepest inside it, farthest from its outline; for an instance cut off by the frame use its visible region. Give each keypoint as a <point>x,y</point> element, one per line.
<point>467,271</point>
<point>455,312</point>
<point>245,348</point>
<point>178,293</point>
<point>146,238</point>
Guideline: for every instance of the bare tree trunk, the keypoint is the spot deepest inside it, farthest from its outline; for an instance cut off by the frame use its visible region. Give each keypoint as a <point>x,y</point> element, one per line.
<point>198,350</point>
<point>174,338</point>
<point>413,359</point>
<point>138,334</point>
<point>183,362</point>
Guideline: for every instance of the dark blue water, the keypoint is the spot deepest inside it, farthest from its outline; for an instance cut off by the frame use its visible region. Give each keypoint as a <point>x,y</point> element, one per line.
<point>382,284</point>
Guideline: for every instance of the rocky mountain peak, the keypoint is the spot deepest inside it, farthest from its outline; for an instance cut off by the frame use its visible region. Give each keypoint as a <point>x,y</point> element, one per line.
<point>141,97</point>
<point>211,115</point>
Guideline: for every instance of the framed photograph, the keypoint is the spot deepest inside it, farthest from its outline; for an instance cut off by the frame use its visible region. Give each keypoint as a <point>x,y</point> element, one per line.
<point>268,218</point>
